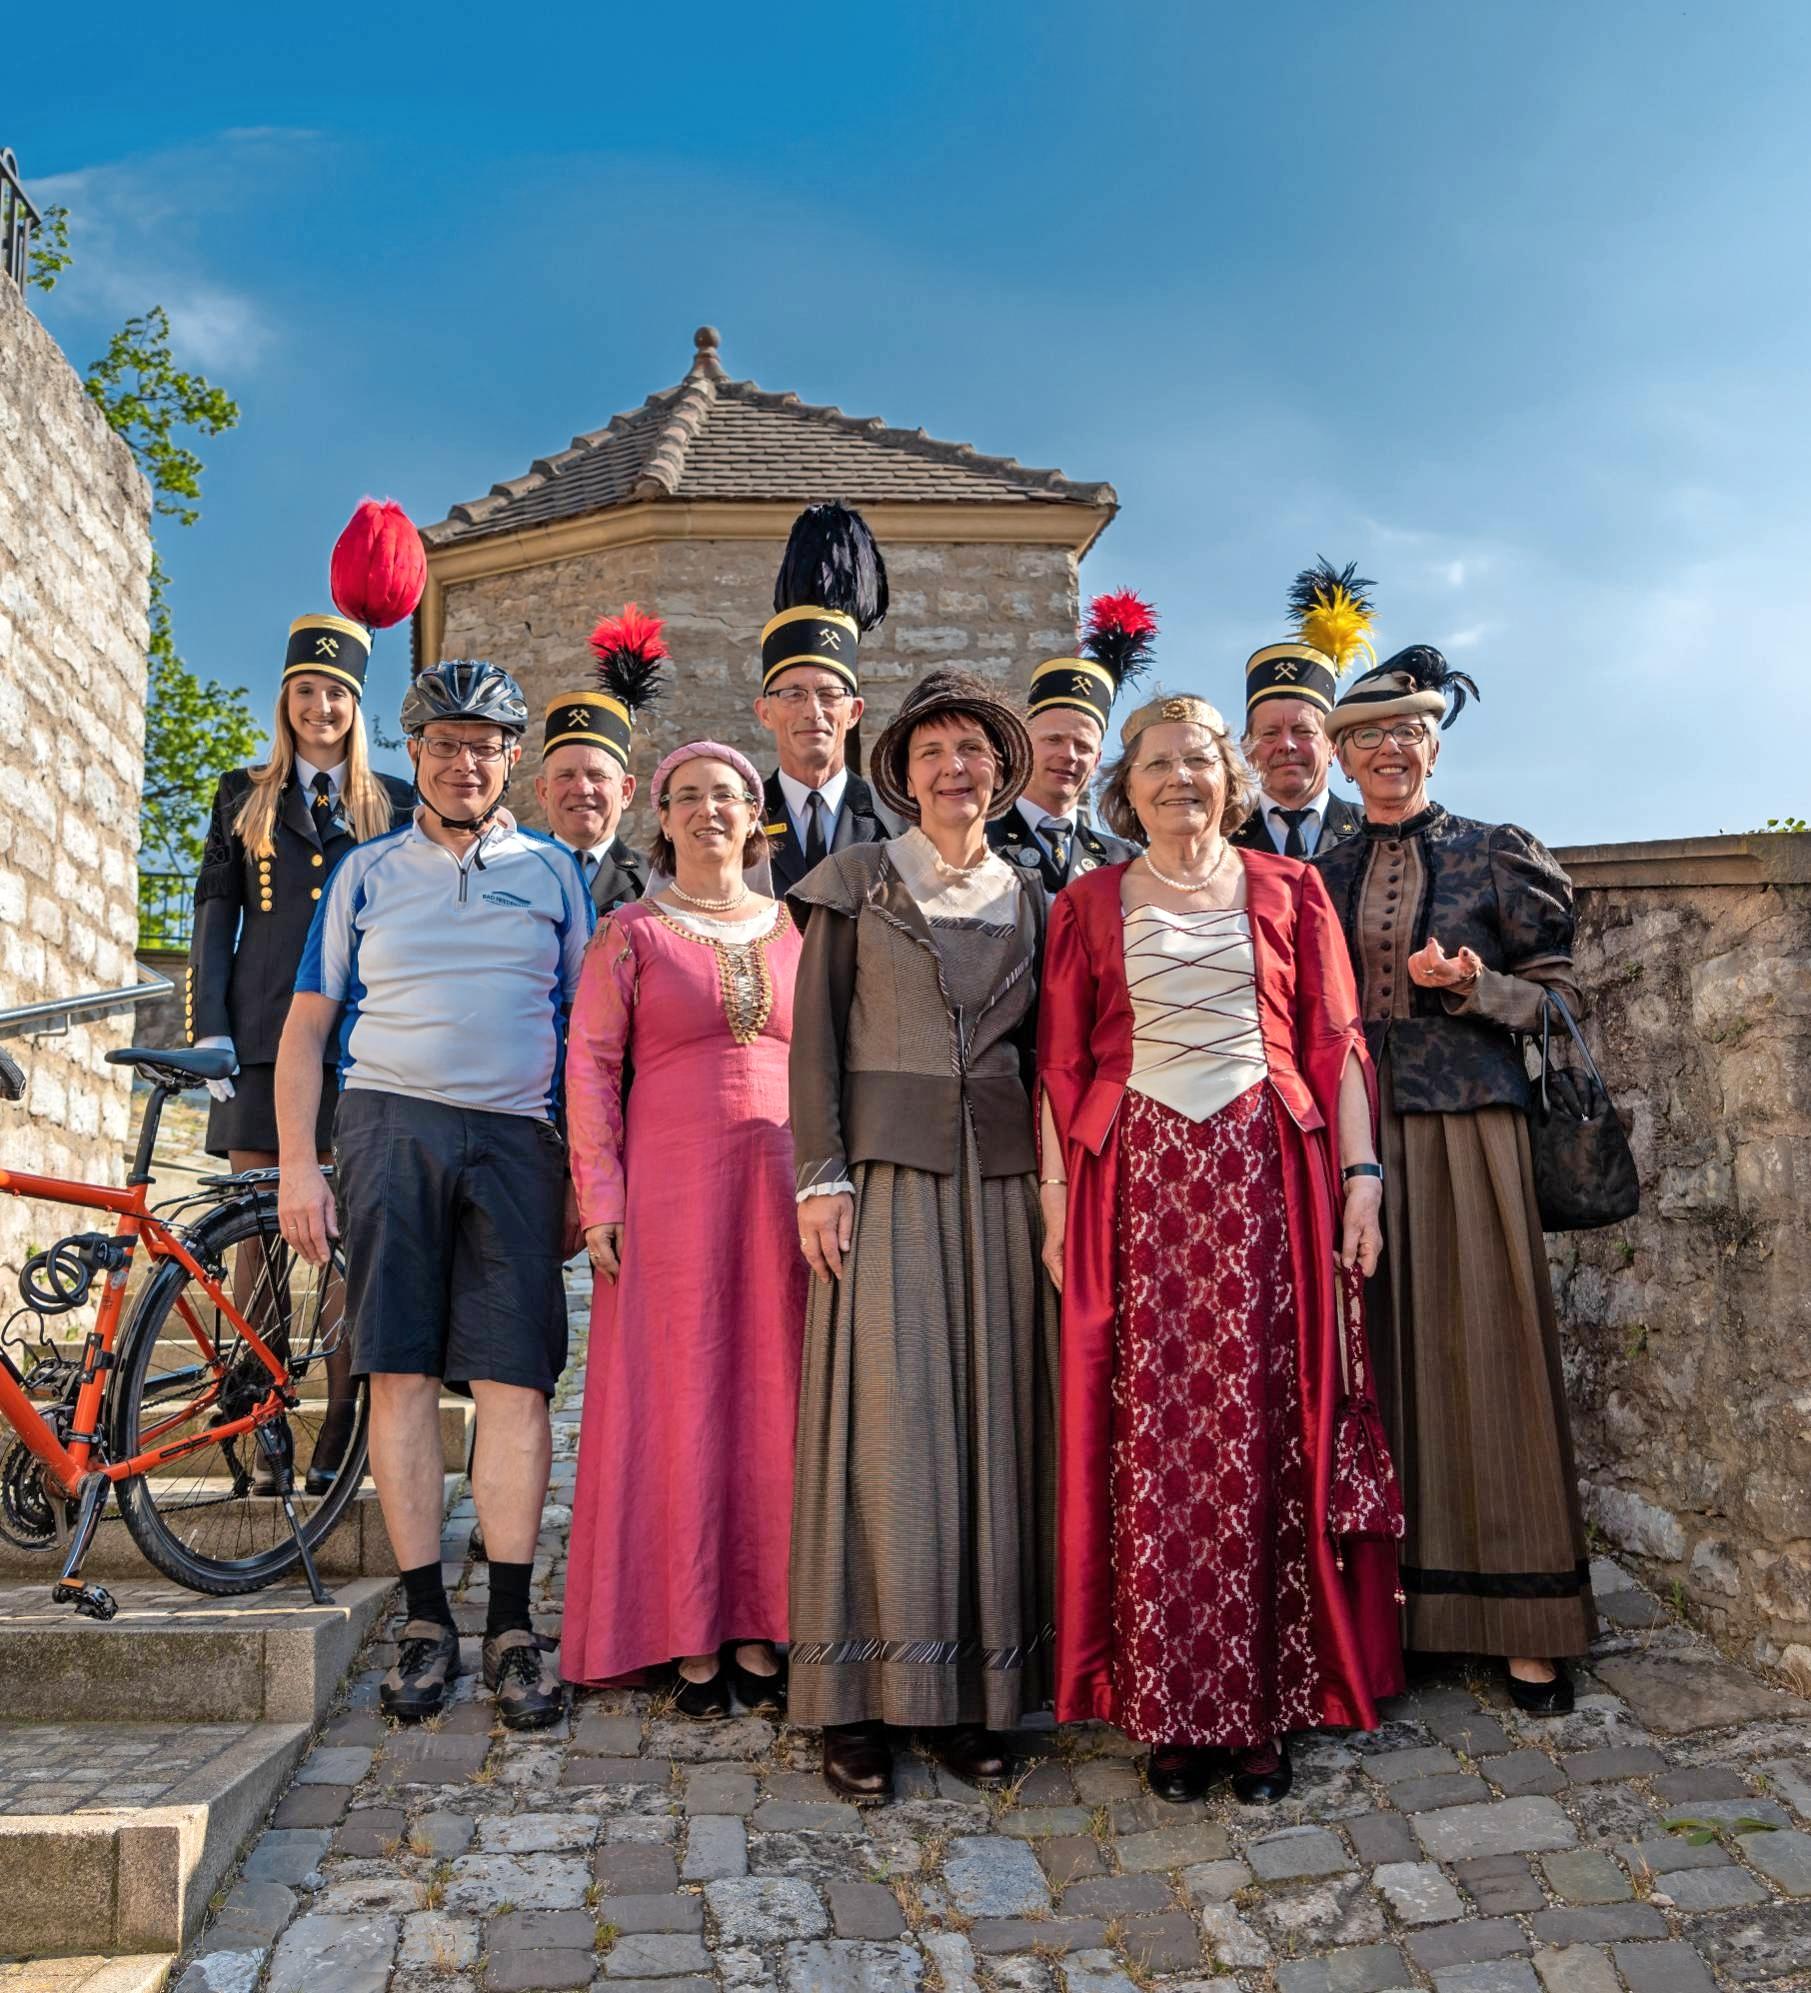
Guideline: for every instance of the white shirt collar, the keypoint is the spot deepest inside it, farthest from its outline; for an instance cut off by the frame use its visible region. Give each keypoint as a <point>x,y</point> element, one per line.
<point>798,808</point>
<point>598,851</point>
<point>306,771</point>
<point>1035,814</point>
<point>1279,831</point>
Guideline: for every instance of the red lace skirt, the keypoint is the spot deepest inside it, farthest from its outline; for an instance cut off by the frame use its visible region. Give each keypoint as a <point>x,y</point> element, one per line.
<point>1211,1627</point>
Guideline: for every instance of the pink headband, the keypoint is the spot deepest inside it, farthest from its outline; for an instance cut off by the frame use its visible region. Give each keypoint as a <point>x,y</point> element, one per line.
<point>707,750</point>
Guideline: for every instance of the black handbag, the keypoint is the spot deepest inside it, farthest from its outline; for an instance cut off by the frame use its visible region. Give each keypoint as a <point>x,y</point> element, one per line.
<point>1584,1170</point>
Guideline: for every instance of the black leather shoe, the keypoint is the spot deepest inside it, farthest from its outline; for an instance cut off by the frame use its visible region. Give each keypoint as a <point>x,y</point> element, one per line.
<point>760,1695</point>
<point>1181,1772</point>
<point>858,1762</point>
<point>1260,1778</point>
<point>971,1751</point>
<point>703,1702</point>
<point>421,1683</point>
<point>1552,1698</point>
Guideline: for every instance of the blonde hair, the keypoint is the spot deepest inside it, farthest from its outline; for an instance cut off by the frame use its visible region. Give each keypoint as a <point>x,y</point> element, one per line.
<point>367,801</point>
<point>1116,794</point>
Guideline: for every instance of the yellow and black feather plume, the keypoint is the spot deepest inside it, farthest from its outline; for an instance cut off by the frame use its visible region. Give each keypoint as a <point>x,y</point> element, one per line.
<point>1332,611</point>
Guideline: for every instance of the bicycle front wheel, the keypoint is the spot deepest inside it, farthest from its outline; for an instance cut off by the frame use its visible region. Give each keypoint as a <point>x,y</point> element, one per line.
<point>211,1520</point>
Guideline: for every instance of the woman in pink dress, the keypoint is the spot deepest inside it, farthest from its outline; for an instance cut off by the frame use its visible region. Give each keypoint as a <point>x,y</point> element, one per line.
<point>681,1519</point>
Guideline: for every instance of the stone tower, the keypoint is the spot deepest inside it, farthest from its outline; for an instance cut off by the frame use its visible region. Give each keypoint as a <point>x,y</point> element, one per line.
<point>683,506</point>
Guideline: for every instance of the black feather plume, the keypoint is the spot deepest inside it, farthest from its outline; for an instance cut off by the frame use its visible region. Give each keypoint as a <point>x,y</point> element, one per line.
<point>1432,673</point>
<point>831,562</point>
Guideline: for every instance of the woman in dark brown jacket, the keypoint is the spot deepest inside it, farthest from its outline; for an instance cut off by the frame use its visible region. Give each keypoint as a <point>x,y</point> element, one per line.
<point>922,1511</point>
<point>1457,929</point>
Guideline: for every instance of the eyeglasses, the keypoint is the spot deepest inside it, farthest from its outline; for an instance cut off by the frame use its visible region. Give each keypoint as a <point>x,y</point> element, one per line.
<point>794,697</point>
<point>1410,733</point>
<point>1191,765</point>
<point>443,749</point>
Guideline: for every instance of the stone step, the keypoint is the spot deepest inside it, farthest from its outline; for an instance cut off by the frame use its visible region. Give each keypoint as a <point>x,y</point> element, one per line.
<point>358,1548</point>
<point>135,1825</point>
<point>145,1974</point>
<point>174,1657</point>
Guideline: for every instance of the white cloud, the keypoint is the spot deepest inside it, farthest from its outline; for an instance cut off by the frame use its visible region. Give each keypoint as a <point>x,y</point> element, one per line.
<point>138,230</point>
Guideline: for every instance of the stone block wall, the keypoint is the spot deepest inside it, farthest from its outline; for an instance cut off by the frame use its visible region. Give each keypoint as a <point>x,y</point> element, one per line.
<point>995,609</point>
<point>1689,1328</point>
<point>75,556</point>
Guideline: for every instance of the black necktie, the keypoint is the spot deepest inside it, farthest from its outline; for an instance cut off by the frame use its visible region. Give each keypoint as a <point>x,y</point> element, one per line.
<point>588,864</point>
<point>329,812</point>
<point>1295,845</point>
<point>814,836</point>
<point>322,785</point>
<point>1055,833</point>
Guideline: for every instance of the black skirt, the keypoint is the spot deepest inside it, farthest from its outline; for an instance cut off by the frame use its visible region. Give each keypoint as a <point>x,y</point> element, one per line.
<point>249,1119</point>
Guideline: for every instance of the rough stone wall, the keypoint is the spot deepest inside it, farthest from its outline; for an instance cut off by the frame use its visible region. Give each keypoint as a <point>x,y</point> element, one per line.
<point>1689,1328</point>
<point>996,609</point>
<point>75,554</point>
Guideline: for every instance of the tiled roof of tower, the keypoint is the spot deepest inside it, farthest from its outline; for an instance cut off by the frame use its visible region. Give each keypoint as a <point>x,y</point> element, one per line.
<point>714,438</point>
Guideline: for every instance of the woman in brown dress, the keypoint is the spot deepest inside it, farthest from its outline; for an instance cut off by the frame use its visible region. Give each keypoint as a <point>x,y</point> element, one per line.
<point>1456,928</point>
<point>923,1492</point>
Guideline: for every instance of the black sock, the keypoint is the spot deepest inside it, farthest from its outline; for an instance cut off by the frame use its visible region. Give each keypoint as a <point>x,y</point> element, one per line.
<point>508,1599</point>
<point>425,1590</point>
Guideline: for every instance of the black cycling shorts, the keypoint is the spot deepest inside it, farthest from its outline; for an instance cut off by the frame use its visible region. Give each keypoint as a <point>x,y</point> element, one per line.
<point>453,1221</point>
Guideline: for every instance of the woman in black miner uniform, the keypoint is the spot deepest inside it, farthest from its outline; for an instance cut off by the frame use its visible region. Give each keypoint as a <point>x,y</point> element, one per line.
<point>277,832</point>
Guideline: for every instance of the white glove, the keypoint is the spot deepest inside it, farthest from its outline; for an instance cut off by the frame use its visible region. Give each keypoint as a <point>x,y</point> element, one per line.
<point>220,1089</point>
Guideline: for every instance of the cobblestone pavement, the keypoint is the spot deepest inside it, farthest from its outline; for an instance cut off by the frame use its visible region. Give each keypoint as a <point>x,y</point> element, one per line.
<point>1658,1840</point>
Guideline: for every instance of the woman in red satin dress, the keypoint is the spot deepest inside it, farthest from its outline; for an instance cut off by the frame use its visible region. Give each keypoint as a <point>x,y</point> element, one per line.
<point>1209,1154</point>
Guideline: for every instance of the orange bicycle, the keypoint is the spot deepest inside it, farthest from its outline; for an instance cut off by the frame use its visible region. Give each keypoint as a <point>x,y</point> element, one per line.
<point>200,1409</point>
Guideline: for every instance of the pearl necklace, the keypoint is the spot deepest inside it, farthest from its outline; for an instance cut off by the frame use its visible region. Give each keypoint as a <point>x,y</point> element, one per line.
<point>729,905</point>
<point>1189,885</point>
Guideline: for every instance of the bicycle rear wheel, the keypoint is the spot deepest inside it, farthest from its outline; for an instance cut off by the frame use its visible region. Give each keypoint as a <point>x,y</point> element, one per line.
<point>198,1519</point>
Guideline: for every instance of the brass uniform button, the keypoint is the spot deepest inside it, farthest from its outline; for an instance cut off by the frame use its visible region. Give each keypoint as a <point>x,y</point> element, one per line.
<point>314,893</point>
<point>317,859</point>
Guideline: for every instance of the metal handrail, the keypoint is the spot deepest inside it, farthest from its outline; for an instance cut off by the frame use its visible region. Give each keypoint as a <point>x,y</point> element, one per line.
<point>17,220</point>
<point>55,1013</point>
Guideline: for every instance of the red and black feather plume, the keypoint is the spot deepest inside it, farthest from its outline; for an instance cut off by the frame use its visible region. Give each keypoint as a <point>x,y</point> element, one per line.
<point>379,566</point>
<point>1120,635</point>
<point>629,648</point>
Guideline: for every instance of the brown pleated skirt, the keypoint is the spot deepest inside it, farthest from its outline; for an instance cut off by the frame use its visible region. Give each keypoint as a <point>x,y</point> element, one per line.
<point>1466,1349</point>
<point>924,1492</point>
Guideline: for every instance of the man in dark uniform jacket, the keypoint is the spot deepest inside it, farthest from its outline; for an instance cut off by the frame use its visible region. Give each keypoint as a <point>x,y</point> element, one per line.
<point>584,786</point>
<point>832,588</point>
<point>1047,829</point>
<point>1289,691</point>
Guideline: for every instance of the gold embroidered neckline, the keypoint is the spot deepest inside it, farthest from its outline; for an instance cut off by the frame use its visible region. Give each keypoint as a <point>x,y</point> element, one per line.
<point>743,978</point>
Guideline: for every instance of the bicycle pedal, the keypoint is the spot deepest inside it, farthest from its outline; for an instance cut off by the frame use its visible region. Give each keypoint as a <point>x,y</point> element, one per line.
<point>90,1601</point>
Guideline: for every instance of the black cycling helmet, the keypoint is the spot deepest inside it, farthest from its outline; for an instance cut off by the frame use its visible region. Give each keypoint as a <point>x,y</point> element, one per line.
<point>464,688</point>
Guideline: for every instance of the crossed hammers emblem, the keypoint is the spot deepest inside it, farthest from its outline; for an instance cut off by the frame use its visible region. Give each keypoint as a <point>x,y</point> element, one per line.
<point>326,646</point>
<point>829,638</point>
<point>578,720</point>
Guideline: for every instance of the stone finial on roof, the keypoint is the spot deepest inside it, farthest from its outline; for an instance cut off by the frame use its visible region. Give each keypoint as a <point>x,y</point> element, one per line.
<point>707,339</point>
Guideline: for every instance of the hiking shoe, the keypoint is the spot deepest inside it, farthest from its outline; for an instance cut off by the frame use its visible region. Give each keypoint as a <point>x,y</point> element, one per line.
<point>421,1683</point>
<point>529,1694</point>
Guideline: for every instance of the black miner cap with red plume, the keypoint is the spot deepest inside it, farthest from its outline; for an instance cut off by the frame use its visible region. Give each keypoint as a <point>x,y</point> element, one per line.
<point>1118,638</point>
<point>830,591</point>
<point>377,573</point>
<point>629,649</point>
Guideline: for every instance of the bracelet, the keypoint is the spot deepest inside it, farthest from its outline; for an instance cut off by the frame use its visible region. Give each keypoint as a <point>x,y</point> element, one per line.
<point>1361,1169</point>
<point>1053,1183</point>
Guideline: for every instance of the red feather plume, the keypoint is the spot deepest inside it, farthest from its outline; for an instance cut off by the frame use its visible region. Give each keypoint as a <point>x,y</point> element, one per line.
<point>379,565</point>
<point>1122,613</point>
<point>628,649</point>
<point>631,632</point>
<point>1120,634</point>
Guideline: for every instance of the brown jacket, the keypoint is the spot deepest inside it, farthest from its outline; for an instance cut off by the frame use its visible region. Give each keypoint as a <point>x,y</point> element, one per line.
<point>1493,888</point>
<point>882,1063</point>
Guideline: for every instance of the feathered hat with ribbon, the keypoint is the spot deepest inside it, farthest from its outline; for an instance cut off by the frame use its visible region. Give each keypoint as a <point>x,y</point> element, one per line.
<point>1416,682</point>
<point>831,590</point>
<point>1118,637</point>
<point>629,649</point>
<point>1331,609</point>
<point>376,575</point>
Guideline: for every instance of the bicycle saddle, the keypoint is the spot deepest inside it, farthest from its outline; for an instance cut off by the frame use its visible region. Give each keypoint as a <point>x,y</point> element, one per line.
<point>177,1069</point>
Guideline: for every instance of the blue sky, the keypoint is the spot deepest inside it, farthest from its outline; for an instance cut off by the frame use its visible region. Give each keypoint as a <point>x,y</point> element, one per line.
<point>1506,302</point>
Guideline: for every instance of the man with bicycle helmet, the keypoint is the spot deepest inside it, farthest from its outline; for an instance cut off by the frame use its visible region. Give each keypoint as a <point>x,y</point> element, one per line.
<point>447,954</point>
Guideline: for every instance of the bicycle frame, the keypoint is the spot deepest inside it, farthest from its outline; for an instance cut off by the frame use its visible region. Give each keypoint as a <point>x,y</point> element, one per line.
<point>69,1467</point>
